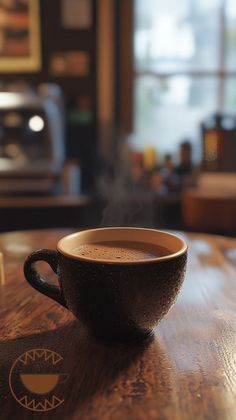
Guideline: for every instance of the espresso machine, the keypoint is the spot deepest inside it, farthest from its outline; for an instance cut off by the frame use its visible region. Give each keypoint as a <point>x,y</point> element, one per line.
<point>31,142</point>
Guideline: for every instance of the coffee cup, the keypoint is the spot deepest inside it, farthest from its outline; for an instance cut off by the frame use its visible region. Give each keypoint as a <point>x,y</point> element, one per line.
<point>115,296</point>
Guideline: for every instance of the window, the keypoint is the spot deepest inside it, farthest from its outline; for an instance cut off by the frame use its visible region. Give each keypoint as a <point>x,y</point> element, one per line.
<point>185,69</point>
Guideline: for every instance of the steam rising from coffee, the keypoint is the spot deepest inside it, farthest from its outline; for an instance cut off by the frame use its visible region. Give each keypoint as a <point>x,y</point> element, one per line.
<point>126,205</point>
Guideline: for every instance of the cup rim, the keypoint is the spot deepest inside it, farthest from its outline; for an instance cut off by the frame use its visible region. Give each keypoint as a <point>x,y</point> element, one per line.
<point>170,256</point>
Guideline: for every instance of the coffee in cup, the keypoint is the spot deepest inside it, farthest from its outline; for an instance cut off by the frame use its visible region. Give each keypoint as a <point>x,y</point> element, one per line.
<point>122,251</point>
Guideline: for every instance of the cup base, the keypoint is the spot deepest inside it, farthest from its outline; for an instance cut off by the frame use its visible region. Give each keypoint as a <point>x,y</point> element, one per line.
<point>124,337</point>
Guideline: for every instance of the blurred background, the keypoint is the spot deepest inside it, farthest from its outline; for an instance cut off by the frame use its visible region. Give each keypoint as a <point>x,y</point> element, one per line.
<point>118,112</point>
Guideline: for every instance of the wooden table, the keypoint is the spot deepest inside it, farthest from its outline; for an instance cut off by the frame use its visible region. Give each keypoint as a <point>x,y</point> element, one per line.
<point>186,371</point>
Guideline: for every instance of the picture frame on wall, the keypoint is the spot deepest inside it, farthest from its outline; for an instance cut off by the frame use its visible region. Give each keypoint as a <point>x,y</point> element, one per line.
<point>77,14</point>
<point>20,49</point>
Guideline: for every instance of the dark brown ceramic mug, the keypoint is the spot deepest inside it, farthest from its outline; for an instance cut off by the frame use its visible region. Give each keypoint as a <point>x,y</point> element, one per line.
<point>113,299</point>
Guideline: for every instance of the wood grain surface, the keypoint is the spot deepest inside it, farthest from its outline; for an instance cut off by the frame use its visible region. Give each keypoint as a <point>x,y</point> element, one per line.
<point>187,370</point>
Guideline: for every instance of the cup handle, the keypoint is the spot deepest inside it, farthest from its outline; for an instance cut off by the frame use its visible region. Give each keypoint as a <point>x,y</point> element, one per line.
<point>37,281</point>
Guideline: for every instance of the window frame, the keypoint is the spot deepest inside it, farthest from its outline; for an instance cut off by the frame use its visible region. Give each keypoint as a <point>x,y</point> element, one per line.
<point>126,72</point>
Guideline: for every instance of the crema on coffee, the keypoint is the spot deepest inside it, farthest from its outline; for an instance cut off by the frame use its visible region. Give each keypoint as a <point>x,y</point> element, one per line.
<point>121,251</point>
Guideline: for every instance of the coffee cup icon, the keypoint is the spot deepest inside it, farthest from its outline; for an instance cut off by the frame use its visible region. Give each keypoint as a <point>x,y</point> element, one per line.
<point>42,383</point>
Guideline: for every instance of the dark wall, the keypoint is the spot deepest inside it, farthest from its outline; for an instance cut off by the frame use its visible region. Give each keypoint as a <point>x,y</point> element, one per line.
<point>79,91</point>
